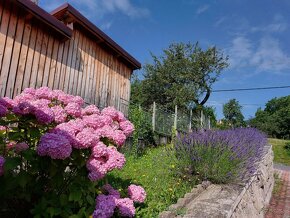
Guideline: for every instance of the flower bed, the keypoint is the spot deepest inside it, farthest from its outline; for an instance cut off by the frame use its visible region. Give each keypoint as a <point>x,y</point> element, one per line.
<point>55,155</point>
<point>220,156</point>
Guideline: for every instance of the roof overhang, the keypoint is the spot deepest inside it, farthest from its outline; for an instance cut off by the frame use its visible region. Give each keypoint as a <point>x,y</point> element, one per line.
<point>44,17</point>
<point>67,12</point>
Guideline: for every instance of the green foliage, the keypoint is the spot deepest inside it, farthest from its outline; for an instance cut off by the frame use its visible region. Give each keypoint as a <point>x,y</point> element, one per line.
<point>181,75</point>
<point>211,114</point>
<point>143,130</point>
<point>233,114</point>
<point>156,171</point>
<point>281,155</point>
<point>275,118</point>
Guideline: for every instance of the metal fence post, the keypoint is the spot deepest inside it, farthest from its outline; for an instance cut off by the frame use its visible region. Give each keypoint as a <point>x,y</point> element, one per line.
<point>201,119</point>
<point>153,116</point>
<point>175,118</point>
<point>190,118</point>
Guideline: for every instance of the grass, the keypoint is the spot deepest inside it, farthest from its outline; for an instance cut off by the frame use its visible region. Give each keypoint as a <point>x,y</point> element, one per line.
<point>155,172</point>
<point>281,155</point>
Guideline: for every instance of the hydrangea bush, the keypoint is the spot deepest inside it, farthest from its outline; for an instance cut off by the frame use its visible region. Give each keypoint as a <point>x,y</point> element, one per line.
<point>55,154</point>
<point>220,155</point>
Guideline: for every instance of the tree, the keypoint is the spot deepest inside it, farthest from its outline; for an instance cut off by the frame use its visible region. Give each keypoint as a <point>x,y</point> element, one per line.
<point>233,114</point>
<point>182,75</point>
<point>275,118</point>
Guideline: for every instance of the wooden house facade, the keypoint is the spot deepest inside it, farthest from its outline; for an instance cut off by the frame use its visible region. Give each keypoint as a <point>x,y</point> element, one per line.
<point>61,50</point>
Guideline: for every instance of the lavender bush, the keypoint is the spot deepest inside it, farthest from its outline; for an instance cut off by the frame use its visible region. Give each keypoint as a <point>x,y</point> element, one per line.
<point>220,156</point>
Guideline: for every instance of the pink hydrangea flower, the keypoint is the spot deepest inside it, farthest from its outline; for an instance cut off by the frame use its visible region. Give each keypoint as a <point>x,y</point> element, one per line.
<point>7,102</point>
<point>105,206</point>
<point>97,168</point>
<point>85,138</point>
<point>59,114</point>
<point>3,111</point>
<point>65,98</point>
<point>78,100</point>
<point>73,109</point>
<point>127,127</point>
<point>91,109</point>
<point>30,91</point>
<point>19,147</point>
<point>2,162</point>
<point>24,98</point>
<point>96,121</point>
<point>2,128</point>
<point>119,137</point>
<point>43,92</point>
<point>115,159</point>
<point>121,117</point>
<point>99,150</point>
<point>126,207</point>
<point>111,111</point>
<point>54,145</point>
<point>136,193</point>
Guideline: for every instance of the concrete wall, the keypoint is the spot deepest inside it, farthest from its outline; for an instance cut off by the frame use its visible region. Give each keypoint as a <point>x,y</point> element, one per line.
<point>232,200</point>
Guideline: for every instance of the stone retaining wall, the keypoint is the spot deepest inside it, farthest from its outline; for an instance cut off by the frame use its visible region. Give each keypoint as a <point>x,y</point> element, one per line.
<point>233,200</point>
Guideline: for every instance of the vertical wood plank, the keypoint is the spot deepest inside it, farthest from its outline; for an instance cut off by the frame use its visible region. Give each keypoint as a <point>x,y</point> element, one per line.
<point>88,86</point>
<point>48,60</point>
<point>98,76</point>
<point>93,74</point>
<point>29,59</point>
<point>53,64</point>
<point>15,56</point>
<point>64,65</point>
<point>75,62</point>
<point>42,60</point>
<point>3,31</point>
<point>6,62</point>
<point>69,61</point>
<point>58,66</point>
<point>83,69</point>
<point>22,59</point>
<point>86,70</point>
<point>36,59</point>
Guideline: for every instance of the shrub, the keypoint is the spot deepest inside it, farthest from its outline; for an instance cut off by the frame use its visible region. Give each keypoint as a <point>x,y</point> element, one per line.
<point>220,156</point>
<point>143,130</point>
<point>54,156</point>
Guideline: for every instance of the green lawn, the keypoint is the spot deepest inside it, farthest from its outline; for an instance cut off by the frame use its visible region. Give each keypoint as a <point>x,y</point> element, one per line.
<point>280,153</point>
<point>155,172</point>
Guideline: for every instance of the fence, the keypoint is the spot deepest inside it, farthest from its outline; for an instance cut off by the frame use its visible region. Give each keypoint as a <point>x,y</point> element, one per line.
<point>164,121</point>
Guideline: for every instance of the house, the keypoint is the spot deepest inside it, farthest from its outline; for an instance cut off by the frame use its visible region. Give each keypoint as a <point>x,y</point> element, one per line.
<point>61,50</point>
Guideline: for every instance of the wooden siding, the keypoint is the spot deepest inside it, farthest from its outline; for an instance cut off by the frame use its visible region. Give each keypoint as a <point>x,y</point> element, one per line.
<point>31,56</point>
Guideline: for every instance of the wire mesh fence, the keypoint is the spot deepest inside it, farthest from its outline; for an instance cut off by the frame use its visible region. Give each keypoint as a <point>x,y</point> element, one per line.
<point>165,121</point>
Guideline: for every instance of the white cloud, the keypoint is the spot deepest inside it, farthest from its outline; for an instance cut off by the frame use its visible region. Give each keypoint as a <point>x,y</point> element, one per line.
<point>106,25</point>
<point>202,9</point>
<point>279,24</point>
<point>268,56</point>
<point>240,52</point>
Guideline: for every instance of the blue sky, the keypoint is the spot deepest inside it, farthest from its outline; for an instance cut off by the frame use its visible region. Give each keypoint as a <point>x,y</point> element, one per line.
<point>254,33</point>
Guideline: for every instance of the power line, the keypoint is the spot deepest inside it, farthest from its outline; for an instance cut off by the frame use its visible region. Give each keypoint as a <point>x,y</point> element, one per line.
<point>251,89</point>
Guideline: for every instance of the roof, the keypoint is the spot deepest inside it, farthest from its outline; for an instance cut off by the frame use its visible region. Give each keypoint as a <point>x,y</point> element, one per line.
<point>66,10</point>
<point>45,17</point>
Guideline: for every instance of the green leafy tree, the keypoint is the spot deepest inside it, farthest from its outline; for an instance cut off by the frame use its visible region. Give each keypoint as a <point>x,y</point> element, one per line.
<point>275,118</point>
<point>182,75</point>
<point>233,114</point>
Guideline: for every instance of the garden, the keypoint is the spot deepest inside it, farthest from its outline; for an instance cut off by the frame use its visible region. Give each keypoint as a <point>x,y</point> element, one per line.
<point>61,159</point>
